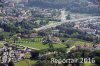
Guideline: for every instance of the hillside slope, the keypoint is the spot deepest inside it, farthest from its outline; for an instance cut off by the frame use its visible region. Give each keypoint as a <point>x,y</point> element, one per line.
<point>72,5</point>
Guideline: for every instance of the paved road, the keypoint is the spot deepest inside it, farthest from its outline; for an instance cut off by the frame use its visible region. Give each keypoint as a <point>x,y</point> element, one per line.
<point>70,49</point>
<point>60,23</point>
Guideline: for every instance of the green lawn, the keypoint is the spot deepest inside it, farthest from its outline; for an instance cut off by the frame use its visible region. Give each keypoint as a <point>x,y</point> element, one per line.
<point>25,63</point>
<point>75,41</point>
<point>52,22</point>
<point>79,42</point>
<point>39,45</point>
<point>88,64</point>
<point>1,45</point>
<point>36,43</point>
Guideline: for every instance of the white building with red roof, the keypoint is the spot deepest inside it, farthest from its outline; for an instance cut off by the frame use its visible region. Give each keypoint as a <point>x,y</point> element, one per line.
<point>97,47</point>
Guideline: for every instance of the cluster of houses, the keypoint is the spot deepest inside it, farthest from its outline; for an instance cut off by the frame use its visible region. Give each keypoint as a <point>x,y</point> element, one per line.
<point>85,26</point>
<point>88,47</point>
<point>10,53</point>
<point>46,13</point>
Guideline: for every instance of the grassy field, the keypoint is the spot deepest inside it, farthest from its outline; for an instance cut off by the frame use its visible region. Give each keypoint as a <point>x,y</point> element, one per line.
<point>37,42</point>
<point>1,45</point>
<point>34,43</point>
<point>39,45</point>
<point>25,63</point>
<point>88,64</point>
<point>74,41</point>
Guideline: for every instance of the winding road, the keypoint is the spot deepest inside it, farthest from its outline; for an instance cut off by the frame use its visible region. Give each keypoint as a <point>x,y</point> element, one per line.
<point>60,23</point>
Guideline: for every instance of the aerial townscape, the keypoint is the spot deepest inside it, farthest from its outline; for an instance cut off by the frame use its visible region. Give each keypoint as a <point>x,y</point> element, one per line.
<point>49,32</point>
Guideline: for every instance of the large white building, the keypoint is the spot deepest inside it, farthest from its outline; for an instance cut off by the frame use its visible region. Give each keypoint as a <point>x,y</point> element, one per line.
<point>63,15</point>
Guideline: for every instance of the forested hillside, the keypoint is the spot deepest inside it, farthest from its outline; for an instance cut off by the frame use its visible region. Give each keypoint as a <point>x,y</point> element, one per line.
<point>89,6</point>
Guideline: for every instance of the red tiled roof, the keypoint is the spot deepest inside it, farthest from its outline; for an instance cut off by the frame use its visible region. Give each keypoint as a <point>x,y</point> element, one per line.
<point>97,45</point>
